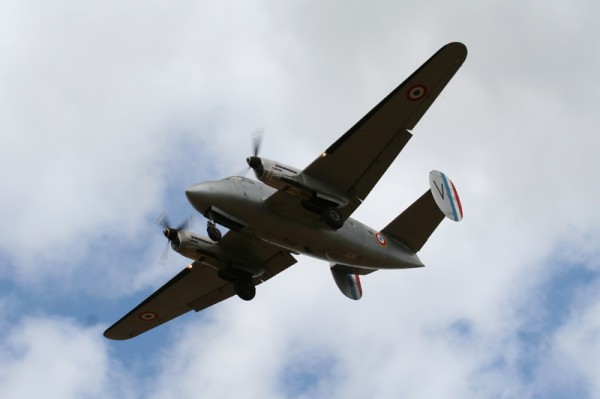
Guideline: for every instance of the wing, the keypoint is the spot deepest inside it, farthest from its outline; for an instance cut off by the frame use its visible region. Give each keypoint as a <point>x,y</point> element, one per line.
<point>356,162</point>
<point>198,286</point>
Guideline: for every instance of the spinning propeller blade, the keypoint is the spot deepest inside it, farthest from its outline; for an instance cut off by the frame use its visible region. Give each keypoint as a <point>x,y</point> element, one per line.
<point>257,138</point>
<point>171,233</point>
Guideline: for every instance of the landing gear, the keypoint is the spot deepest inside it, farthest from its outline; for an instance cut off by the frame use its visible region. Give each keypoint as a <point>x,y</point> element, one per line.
<point>243,283</point>
<point>332,218</point>
<point>213,232</point>
<point>245,289</point>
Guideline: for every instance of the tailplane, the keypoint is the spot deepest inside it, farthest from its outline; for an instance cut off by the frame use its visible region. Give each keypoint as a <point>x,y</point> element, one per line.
<point>414,226</point>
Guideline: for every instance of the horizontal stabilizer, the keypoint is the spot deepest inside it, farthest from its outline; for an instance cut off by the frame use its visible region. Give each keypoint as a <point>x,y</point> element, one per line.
<point>414,226</point>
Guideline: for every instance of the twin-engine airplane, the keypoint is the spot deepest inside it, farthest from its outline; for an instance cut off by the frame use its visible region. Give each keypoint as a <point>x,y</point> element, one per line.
<point>291,211</point>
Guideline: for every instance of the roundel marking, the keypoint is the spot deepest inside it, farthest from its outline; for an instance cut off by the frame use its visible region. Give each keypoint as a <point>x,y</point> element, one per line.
<point>416,92</point>
<point>148,316</point>
<point>381,239</point>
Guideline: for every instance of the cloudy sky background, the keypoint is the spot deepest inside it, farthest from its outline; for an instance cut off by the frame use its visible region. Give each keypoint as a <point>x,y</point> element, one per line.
<point>109,110</point>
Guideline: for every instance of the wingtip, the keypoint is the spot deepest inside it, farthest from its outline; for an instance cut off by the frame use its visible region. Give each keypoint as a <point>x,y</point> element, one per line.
<point>459,48</point>
<point>107,334</point>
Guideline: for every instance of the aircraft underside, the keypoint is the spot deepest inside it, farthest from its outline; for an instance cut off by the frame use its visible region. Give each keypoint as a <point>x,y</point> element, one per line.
<point>291,211</point>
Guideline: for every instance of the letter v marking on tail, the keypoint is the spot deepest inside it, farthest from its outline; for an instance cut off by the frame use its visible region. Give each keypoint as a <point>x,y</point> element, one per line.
<point>439,191</point>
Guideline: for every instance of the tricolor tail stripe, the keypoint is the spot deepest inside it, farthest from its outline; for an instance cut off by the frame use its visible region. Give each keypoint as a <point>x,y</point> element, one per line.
<point>455,193</point>
<point>451,197</point>
<point>355,287</point>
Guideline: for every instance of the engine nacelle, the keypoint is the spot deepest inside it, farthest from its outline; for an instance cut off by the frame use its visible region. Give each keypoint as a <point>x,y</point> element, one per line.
<point>293,181</point>
<point>193,246</point>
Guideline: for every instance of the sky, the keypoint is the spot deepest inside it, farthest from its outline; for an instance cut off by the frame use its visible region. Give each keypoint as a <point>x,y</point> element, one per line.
<point>109,110</point>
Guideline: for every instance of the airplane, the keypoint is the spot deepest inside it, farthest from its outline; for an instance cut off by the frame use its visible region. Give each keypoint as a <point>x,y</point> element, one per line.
<point>287,212</point>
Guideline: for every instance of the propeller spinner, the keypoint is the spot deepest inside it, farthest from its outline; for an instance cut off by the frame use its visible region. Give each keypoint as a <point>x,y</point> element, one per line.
<point>171,233</point>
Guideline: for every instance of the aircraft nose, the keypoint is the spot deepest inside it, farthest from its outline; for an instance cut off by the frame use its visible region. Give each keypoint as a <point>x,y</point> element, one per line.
<point>199,196</point>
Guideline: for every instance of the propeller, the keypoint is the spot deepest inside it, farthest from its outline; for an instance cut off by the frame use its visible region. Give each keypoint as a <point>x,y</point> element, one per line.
<point>253,161</point>
<point>257,138</point>
<point>171,233</point>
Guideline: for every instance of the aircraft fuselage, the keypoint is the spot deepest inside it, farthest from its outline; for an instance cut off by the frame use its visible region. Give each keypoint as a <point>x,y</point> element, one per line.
<point>243,201</point>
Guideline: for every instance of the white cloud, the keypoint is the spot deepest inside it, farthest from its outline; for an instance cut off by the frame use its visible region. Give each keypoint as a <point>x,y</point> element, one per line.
<point>54,358</point>
<point>108,109</point>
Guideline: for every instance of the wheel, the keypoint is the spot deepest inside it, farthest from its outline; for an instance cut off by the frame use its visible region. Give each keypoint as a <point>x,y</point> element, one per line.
<point>213,233</point>
<point>245,289</point>
<point>332,218</point>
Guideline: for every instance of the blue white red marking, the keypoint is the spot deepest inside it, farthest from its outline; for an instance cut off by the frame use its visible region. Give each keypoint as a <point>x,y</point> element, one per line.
<point>355,286</point>
<point>148,316</point>
<point>453,198</point>
<point>445,195</point>
<point>416,92</point>
<point>380,239</point>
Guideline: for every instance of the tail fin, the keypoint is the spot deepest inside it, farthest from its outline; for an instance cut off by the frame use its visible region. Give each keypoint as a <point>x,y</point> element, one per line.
<point>414,226</point>
<point>348,283</point>
<point>445,195</point>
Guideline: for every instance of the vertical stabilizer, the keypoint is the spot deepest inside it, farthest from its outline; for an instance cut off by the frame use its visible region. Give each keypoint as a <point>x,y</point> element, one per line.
<point>445,195</point>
